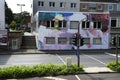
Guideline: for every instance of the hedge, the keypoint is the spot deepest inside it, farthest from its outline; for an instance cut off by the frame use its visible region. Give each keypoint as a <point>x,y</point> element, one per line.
<point>38,71</point>
<point>113,66</point>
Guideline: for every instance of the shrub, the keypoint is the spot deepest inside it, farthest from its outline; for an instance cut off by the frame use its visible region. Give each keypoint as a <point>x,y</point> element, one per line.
<point>113,66</point>
<point>38,70</point>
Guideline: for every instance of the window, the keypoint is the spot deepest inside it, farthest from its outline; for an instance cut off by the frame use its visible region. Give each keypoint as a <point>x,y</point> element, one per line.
<point>52,4</point>
<point>50,24</point>
<point>97,41</point>
<point>97,25</point>
<point>84,6</point>
<point>40,3</point>
<point>62,4</point>
<point>62,40</point>
<point>74,24</point>
<point>100,7</point>
<point>115,23</point>
<point>85,25</point>
<point>110,7</point>
<point>86,40</point>
<point>50,40</point>
<point>119,41</point>
<point>15,44</point>
<point>118,23</point>
<point>92,7</point>
<point>73,5</point>
<point>62,24</point>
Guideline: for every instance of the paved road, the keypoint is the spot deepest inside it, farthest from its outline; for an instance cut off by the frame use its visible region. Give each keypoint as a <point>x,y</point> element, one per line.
<point>101,76</point>
<point>87,59</point>
<point>94,59</point>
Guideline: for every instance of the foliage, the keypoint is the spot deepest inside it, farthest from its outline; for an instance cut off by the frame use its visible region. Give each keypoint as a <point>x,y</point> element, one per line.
<point>13,25</point>
<point>22,19</point>
<point>8,14</point>
<point>38,70</point>
<point>114,66</point>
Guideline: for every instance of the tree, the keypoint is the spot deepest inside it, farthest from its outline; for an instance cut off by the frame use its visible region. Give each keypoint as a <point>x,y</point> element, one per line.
<point>8,15</point>
<point>22,19</point>
<point>13,25</point>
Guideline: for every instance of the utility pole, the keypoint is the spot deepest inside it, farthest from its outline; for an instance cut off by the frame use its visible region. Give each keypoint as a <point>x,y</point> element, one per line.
<point>116,52</point>
<point>78,40</point>
<point>21,5</point>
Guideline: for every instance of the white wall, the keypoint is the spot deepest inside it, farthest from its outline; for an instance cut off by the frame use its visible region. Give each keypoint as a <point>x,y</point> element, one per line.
<point>2,14</point>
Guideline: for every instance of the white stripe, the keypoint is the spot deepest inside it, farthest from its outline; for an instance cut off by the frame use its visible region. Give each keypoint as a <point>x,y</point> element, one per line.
<point>54,78</point>
<point>77,77</point>
<point>95,59</point>
<point>65,63</point>
<point>60,58</point>
<point>111,54</point>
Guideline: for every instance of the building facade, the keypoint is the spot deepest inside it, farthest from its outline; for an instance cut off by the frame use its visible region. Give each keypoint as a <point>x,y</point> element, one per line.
<point>56,21</point>
<point>3,31</point>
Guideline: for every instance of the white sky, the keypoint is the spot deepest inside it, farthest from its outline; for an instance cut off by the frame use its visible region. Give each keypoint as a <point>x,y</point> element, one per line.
<point>12,4</point>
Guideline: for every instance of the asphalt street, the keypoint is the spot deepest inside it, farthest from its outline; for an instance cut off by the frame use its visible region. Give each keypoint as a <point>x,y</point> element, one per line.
<point>86,59</point>
<point>101,76</point>
<point>95,59</point>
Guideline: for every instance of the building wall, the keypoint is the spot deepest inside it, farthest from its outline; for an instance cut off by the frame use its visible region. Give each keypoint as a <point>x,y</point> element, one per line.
<point>107,6</point>
<point>46,7</point>
<point>55,35</point>
<point>3,31</point>
<point>2,15</point>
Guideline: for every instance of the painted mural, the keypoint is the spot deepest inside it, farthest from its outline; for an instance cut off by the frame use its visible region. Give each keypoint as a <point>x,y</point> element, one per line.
<point>55,29</point>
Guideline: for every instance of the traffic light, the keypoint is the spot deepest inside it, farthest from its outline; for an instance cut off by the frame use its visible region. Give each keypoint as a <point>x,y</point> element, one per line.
<point>74,41</point>
<point>81,41</point>
<point>113,42</point>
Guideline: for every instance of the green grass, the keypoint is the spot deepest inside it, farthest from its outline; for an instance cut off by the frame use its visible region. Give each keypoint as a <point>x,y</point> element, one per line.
<point>113,66</point>
<point>38,71</point>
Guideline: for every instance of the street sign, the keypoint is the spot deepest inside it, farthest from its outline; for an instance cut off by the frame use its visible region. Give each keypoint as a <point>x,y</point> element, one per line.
<point>77,53</point>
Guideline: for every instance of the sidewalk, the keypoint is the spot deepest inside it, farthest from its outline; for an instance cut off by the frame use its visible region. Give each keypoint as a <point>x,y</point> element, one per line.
<point>21,51</point>
<point>97,70</point>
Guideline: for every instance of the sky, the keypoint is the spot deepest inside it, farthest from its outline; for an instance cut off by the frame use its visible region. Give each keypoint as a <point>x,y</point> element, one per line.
<point>12,4</point>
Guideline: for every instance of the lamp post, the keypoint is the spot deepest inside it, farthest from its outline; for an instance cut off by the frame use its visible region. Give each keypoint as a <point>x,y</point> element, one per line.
<point>21,5</point>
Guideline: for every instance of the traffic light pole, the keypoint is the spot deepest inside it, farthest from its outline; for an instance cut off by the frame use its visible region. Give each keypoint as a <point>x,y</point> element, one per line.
<point>78,34</point>
<point>116,52</point>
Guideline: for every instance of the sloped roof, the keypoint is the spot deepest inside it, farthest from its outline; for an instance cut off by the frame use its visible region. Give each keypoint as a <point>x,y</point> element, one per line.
<point>110,1</point>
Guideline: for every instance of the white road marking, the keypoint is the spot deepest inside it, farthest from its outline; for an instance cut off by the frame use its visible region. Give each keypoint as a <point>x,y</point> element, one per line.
<point>111,54</point>
<point>96,59</point>
<point>54,78</point>
<point>65,63</point>
<point>60,58</point>
<point>77,77</point>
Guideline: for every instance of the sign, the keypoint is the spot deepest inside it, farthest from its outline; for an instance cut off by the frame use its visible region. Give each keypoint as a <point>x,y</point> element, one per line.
<point>77,53</point>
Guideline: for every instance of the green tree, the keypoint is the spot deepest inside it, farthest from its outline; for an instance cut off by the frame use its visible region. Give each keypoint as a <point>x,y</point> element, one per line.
<point>13,25</point>
<point>22,19</point>
<point>8,15</point>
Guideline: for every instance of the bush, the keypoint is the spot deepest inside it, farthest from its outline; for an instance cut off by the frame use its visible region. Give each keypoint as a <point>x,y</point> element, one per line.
<point>38,70</point>
<point>113,66</point>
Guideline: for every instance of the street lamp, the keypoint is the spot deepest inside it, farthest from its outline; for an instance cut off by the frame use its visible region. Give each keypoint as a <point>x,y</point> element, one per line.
<point>21,5</point>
